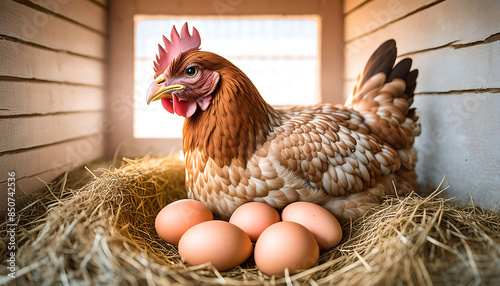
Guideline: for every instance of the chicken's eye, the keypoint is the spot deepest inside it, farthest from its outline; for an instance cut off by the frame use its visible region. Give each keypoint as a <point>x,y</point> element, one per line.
<point>190,71</point>
<point>160,79</point>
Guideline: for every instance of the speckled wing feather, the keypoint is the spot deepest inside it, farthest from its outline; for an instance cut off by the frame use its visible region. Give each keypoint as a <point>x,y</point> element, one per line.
<point>330,148</point>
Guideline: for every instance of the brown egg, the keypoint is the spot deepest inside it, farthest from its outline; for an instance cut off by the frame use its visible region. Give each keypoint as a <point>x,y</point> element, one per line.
<point>219,242</point>
<point>318,220</point>
<point>285,245</point>
<point>176,218</point>
<point>254,217</point>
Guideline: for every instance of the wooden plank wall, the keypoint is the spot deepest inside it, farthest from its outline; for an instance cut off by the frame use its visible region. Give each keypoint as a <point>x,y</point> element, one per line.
<point>52,84</point>
<point>455,45</point>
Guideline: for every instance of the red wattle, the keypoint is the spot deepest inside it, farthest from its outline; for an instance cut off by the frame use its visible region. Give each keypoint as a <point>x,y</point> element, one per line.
<point>168,104</point>
<point>182,108</point>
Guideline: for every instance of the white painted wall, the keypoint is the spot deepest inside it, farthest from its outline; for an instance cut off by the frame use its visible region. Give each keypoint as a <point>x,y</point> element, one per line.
<point>460,139</point>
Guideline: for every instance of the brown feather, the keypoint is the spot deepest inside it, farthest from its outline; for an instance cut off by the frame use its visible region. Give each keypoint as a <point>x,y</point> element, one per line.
<point>237,121</point>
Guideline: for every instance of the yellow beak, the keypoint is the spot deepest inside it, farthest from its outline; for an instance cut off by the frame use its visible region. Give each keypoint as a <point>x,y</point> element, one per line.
<point>164,91</point>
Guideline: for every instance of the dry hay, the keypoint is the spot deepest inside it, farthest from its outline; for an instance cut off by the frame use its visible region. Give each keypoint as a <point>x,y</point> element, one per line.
<point>103,234</point>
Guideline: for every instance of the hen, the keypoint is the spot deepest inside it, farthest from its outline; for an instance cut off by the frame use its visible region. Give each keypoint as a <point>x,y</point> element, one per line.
<point>238,148</point>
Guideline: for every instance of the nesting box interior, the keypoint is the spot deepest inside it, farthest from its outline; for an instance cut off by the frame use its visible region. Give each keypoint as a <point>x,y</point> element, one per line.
<point>68,95</point>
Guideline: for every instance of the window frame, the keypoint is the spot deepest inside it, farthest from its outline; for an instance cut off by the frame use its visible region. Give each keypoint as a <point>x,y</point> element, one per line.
<point>120,140</point>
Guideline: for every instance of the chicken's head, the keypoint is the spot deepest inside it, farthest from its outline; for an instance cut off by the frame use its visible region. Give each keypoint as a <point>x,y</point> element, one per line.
<point>182,85</point>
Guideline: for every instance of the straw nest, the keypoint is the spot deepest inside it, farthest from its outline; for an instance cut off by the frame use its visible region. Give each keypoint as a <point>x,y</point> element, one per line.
<point>103,234</point>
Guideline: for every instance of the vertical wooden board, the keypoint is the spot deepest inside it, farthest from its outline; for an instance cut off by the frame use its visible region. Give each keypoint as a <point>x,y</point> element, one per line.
<point>20,60</point>
<point>331,56</point>
<point>459,22</point>
<point>32,131</point>
<point>350,5</point>
<point>28,24</point>
<point>121,75</point>
<point>375,14</point>
<point>22,98</point>
<point>348,88</point>
<point>40,165</point>
<point>87,13</point>
<point>460,140</point>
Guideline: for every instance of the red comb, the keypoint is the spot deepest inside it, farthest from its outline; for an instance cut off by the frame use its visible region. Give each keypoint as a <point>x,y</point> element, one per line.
<point>177,45</point>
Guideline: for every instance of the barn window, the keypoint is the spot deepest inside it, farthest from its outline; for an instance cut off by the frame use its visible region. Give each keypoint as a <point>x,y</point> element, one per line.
<point>279,54</point>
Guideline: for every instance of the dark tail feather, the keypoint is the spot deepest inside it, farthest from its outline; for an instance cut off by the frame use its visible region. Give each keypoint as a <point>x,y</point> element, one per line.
<point>378,97</point>
<point>382,60</point>
<point>402,71</point>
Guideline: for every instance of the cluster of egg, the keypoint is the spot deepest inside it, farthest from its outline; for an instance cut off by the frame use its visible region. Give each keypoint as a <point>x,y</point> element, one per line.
<point>291,243</point>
